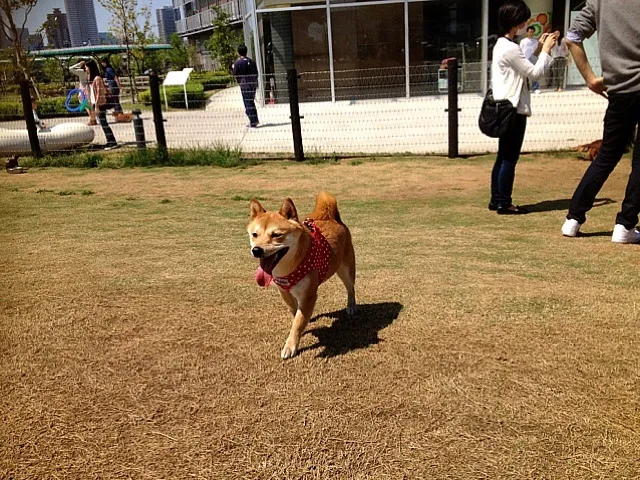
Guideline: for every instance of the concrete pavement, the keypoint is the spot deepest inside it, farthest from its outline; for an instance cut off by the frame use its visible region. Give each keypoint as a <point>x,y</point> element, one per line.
<point>418,125</point>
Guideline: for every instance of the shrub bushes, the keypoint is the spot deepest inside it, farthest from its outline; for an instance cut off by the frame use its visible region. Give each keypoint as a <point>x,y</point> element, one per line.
<point>47,108</point>
<point>11,110</point>
<point>175,96</point>
<point>212,80</point>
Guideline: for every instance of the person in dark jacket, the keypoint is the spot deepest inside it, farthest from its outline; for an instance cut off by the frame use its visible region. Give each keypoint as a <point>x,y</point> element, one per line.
<point>112,82</point>
<point>246,72</point>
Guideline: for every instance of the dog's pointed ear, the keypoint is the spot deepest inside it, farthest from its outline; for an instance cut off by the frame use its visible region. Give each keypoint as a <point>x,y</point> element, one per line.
<point>255,208</point>
<point>288,210</point>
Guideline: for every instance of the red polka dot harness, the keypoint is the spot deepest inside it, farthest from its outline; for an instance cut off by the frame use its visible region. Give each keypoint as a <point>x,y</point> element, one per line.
<point>318,258</point>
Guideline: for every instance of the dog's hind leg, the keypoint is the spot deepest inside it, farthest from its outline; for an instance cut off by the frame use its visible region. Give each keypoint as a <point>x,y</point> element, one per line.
<point>347,273</point>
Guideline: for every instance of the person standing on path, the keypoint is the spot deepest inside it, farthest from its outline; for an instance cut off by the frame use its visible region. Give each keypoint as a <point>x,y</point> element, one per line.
<point>558,67</point>
<point>113,84</point>
<point>246,72</point>
<point>618,27</point>
<point>98,91</point>
<point>83,79</point>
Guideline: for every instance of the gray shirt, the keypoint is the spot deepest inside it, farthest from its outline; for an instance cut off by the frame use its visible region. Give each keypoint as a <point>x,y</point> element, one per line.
<point>618,27</point>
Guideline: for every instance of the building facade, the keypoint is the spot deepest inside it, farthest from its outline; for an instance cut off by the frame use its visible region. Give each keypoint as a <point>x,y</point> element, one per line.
<point>82,23</point>
<point>57,29</point>
<point>194,22</point>
<point>166,23</point>
<point>357,49</point>
<point>35,42</point>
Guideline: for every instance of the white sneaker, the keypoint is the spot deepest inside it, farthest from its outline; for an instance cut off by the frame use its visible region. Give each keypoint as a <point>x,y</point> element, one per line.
<point>571,228</point>
<point>622,235</point>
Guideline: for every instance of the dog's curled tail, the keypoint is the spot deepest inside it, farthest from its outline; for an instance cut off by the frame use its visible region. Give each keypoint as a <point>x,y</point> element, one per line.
<point>326,208</point>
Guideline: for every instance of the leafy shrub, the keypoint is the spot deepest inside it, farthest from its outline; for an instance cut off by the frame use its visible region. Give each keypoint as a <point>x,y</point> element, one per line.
<point>212,80</point>
<point>52,89</point>
<point>175,96</point>
<point>11,110</point>
<point>47,108</point>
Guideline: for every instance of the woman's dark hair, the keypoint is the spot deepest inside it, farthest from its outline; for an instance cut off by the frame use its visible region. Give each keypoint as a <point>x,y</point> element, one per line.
<point>94,71</point>
<point>105,60</point>
<point>511,14</point>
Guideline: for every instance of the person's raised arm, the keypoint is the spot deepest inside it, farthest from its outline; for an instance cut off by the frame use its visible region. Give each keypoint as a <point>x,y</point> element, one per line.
<point>538,49</point>
<point>519,62</point>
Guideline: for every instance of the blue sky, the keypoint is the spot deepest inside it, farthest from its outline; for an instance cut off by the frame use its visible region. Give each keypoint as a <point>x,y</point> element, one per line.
<point>39,14</point>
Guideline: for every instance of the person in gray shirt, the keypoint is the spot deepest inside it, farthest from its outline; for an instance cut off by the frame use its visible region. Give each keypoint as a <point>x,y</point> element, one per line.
<point>618,28</point>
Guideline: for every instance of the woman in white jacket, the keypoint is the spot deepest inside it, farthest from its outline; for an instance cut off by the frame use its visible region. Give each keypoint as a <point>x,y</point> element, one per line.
<point>511,76</point>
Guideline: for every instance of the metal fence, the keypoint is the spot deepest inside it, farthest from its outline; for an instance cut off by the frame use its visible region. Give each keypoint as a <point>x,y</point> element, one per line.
<point>375,111</point>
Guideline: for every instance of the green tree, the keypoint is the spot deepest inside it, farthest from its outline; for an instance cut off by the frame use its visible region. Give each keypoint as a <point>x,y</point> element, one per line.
<point>178,56</point>
<point>142,37</point>
<point>9,22</point>
<point>224,40</point>
<point>53,70</point>
<point>125,28</point>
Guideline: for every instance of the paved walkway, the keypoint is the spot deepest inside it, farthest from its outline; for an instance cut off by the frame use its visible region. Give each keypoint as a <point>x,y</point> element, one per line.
<point>561,120</point>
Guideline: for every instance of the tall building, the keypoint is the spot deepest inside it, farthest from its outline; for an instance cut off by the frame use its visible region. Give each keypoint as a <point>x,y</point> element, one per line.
<point>35,42</point>
<point>166,23</point>
<point>83,26</point>
<point>107,39</point>
<point>57,29</point>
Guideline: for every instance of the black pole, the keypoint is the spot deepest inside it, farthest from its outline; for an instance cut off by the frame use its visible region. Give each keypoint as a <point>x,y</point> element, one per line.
<point>292,81</point>
<point>32,129</point>
<point>156,104</point>
<point>452,78</point>
<point>138,129</point>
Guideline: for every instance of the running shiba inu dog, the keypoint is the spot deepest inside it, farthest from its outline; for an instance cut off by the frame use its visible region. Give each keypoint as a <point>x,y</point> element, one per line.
<point>299,256</point>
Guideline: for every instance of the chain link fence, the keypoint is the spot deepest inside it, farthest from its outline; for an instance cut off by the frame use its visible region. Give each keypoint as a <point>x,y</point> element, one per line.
<point>357,112</point>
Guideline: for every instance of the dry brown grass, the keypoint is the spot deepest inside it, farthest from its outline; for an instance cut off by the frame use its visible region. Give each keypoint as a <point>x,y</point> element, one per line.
<point>135,343</point>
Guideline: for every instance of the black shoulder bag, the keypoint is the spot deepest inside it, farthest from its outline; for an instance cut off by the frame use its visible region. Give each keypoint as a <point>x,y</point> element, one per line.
<point>497,117</point>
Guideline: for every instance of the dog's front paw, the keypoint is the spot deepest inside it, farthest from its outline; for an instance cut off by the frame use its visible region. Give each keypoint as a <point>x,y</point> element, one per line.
<point>289,350</point>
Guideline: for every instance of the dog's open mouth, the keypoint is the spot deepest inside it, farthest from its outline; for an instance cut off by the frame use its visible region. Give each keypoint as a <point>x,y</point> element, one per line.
<point>267,264</point>
<point>270,262</point>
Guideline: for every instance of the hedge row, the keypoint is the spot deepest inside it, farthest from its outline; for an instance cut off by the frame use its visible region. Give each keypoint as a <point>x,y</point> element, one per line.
<point>197,85</point>
<point>47,108</point>
<point>175,96</point>
<point>212,80</point>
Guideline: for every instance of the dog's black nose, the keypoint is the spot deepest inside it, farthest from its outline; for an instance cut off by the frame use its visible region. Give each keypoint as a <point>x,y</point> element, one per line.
<point>257,252</point>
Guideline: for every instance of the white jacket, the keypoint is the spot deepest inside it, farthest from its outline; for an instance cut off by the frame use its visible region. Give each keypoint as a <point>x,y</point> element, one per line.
<point>509,72</point>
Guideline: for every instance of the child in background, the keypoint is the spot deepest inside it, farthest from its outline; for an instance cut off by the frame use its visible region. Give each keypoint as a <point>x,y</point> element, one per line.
<point>42,127</point>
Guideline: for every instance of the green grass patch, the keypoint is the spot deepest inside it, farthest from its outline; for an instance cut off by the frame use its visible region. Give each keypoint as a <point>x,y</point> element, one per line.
<point>223,157</point>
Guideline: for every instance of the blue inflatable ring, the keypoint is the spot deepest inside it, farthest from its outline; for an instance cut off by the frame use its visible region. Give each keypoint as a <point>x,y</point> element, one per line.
<point>82,101</point>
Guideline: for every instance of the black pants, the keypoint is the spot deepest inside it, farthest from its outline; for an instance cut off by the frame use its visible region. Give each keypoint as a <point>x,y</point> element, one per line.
<point>622,117</point>
<point>504,170</point>
<point>248,97</point>
<point>557,72</point>
<point>114,99</point>
<point>102,118</point>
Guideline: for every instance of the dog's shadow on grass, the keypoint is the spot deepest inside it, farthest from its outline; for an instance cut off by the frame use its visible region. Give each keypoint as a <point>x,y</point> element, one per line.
<point>562,204</point>
<point>348,333</point>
